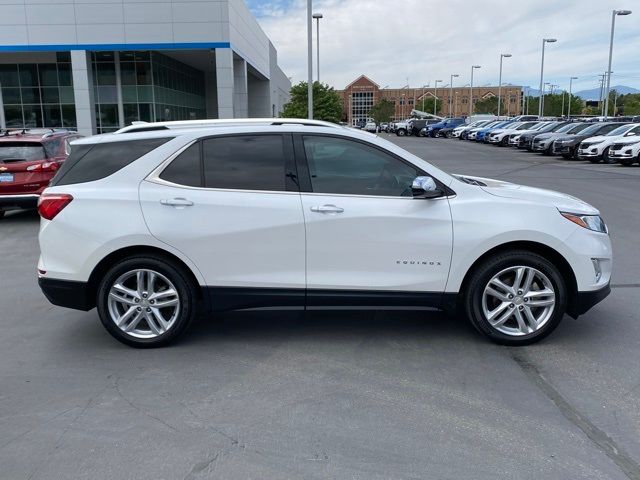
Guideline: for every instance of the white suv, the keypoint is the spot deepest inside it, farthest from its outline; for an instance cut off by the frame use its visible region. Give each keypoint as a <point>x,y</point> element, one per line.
<point>156,222</point>
<point>596,149</point>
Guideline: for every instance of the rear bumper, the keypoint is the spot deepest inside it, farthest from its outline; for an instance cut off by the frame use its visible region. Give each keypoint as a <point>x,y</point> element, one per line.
<point>584,301</point>
<point>19,201</point>
<point>67,293</point>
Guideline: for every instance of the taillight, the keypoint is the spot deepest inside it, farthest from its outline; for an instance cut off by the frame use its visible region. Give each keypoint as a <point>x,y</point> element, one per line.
<point>51,204</point>
<point>44,167</point>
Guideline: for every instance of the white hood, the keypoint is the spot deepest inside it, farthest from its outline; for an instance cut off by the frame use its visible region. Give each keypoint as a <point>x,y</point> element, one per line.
<point>561,201</point>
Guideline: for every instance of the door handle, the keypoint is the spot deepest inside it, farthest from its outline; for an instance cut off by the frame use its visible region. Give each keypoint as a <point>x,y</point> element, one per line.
<point>176,202</point>
<point>327,209</point>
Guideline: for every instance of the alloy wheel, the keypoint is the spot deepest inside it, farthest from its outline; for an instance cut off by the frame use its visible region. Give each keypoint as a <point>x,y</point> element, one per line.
<point>518,300</point>
<point>143,303</point>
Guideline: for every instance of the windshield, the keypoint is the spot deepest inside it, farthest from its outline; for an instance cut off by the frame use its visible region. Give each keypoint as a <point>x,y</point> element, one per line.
<point>566,128</point>
<point>591,129</point>
<point>549,127</point>
<point>575,128</point>
<point>619,131</point>
<point>21,151</point>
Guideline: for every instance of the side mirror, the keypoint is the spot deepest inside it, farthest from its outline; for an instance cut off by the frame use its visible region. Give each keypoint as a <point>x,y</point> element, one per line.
<point>425,187</point>
<point>630,134</point>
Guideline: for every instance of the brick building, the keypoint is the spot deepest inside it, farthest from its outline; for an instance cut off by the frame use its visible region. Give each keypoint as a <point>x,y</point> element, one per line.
<point>360,95</point>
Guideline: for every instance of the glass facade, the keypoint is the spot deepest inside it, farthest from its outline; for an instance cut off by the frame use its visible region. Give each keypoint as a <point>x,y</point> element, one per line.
<point>38,94</point>
<point>155,88</point>
<point>361,104</point>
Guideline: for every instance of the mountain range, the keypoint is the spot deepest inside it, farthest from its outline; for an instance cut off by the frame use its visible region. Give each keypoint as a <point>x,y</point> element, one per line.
<point>592,94</point>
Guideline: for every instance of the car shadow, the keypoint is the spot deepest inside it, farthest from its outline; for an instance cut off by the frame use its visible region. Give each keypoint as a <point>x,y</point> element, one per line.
<point>17,217</point>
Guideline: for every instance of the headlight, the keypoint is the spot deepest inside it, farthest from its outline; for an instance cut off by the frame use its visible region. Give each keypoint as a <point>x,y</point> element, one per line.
<point>591,222</point>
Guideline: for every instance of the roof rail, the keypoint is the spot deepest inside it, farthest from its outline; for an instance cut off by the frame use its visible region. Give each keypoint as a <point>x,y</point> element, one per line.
<point>146,127</point>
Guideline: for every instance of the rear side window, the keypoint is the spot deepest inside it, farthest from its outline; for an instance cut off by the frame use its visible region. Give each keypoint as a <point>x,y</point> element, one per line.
<point>246,162</point>
<point>88,163</point>
<point>185,169</point>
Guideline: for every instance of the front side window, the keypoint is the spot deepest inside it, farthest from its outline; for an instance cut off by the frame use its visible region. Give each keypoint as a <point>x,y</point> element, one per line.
<point>245,162</point>
<point>342,166</point>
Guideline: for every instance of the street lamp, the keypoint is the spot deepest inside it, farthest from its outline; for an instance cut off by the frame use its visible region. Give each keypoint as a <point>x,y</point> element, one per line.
<point>309,61</point>
<point>571,79</point>
<point>542,94</point>
<point>455,75</point>
<point>318,16</point>
<point>613,26</point>
<point>435,96</point>
<point>502,55</point>
<point>544,41</point>
<point>473,67</point>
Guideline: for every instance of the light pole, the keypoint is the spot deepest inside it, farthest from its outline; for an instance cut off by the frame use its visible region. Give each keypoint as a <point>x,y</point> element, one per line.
<point>309,61</point>
<point>502,55</point>
<point>435,96</point>
<point>317,16</point>
<point>569,106</point>
<point>542,98</point>
<point>544,41</point>
<point>455,75</point>
<point>613,26</point>
<point>473,67</point>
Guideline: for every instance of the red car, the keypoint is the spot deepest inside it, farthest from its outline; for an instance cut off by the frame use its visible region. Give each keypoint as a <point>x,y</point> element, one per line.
<point>28,161</point>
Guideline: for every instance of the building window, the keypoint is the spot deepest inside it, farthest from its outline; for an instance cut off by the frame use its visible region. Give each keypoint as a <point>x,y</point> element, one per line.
<point>361,104</point>
<point>38,94</point>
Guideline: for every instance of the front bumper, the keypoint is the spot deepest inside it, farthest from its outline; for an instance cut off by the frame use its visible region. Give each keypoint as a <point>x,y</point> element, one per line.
<point>67,293</point>
<point>582,153</point>
<point>584,301</point>
<point>19,201</point>
<point>539,147</point>
<point>562,149</point>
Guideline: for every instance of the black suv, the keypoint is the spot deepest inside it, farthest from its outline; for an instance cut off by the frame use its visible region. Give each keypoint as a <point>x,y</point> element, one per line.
<point>567,145</point>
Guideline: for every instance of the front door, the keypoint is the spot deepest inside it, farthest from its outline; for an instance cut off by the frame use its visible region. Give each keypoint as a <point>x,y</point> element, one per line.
<point>365,231</point>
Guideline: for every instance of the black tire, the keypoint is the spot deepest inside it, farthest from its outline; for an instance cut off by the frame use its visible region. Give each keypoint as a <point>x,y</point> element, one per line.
<point>2,212</point>
<point>448,134</point>
<point>606,158</point>
<point>401,133</point>
<point>504,142</point>
<point>627,162</point>
<point>185,288</point>
<point>483,273</point>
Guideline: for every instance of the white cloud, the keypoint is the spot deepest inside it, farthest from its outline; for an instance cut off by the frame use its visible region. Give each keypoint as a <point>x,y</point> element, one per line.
<point>426,39</point>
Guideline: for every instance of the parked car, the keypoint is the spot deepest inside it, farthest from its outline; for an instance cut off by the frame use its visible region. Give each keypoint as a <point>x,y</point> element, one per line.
<point>567,145</point>
<point>626,153</point>
<point>543,143</point>
<point>471,133</point>
<point>371,127</point>
<point>500,136</point>
<point>433,130</point>
<point>482,133</point>
<point>29,158</point>
<point>360,123</point>
<point>526,139</point>
<point>461,130</point>
<point>384,126</point>
<point>521,257</point>
<point>416,125</point>
<point>514,138</point>
<point>401,128</point>
<point>596,149</point>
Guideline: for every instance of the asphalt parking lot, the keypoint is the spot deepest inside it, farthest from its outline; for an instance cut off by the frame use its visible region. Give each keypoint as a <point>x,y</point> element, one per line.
<point>370,395</point>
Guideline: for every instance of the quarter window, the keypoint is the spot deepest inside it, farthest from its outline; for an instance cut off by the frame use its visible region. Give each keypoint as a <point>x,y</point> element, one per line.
<point>246,162</point>
<point>343,166</point>
<point>185,168</point>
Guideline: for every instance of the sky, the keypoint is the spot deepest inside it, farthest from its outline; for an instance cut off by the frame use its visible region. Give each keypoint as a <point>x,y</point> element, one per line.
<point>424,40</point>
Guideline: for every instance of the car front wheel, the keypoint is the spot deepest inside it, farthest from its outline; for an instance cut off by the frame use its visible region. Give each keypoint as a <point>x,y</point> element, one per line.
<point>515,298</point>
<point>401,133</point>
<point>146,301</point>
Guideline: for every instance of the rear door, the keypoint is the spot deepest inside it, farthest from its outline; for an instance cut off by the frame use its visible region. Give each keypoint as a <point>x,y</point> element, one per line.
<point>231,204</point>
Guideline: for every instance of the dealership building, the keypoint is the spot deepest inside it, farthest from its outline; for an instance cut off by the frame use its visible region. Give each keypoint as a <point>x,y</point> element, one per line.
<point>98,65</point>
<point>363,93</point>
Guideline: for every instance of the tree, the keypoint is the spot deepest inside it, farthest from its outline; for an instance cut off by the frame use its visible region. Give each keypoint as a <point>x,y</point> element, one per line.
<point>426,105</point>
<point>327,104</point>
<point>629,104</point>
<point>382,111</point>
<point>488,105</point>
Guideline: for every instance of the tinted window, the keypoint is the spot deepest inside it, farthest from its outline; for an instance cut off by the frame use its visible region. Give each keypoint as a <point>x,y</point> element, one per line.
<point>338,165</point>
<point>606,129</point>
<point>185,169</point>
<point>245,162</point>
<point>91,162</point>
<point>21,151</point>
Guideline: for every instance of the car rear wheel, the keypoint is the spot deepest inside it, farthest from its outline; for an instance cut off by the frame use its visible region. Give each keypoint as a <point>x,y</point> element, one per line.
<point>146,301</point>
<point>515,298</point>
<point>401,133</point>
